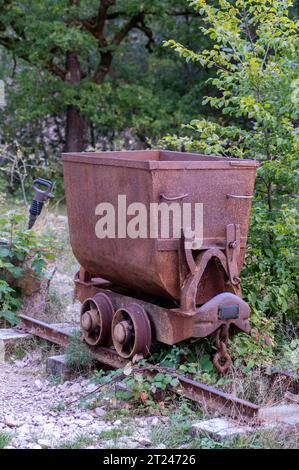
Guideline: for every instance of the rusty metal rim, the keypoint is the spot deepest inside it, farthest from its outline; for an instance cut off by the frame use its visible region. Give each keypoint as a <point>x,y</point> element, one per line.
<point>204,394</point>
<point>158,165</point>
<point>103,309</point>
<point>141,338</point>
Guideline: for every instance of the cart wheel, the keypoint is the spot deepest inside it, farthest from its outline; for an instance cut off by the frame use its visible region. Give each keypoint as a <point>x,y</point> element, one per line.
<point>96,319</point>
<point>131,331</point>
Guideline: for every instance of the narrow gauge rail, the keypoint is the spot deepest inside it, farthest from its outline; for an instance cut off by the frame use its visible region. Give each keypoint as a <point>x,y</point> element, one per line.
<point>207,396</point>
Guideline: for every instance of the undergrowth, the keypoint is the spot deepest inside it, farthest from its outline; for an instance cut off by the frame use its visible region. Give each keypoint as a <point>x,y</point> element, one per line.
<point>5,439</point>
<point>78,356</point>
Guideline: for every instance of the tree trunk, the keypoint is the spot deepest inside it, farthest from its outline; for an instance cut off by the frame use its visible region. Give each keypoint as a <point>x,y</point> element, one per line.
<point>75,122</point>
<point>75,130</point>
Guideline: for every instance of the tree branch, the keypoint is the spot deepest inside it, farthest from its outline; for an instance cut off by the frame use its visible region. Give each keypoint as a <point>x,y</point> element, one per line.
<point>50,65</point>
<point>96,24</point>
<point>148,33</point>
<point>126,28</point>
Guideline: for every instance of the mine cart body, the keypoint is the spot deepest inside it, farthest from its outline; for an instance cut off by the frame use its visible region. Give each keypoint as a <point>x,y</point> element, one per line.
<point>163,268</point>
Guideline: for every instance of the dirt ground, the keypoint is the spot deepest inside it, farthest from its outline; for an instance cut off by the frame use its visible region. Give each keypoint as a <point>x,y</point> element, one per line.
<point>36,412</point>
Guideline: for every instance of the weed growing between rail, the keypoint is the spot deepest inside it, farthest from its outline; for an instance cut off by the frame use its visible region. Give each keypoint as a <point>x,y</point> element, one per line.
<point>78,356</point>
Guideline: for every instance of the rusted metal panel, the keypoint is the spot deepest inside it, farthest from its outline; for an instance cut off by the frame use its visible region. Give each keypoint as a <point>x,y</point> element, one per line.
<point>199,280</point>
<point>91,178</point>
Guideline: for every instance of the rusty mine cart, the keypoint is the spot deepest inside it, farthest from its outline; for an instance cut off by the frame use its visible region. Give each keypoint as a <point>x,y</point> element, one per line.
<point>138,291</point>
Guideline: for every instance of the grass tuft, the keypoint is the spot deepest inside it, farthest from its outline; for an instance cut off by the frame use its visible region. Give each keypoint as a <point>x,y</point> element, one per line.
<point>5,439</point>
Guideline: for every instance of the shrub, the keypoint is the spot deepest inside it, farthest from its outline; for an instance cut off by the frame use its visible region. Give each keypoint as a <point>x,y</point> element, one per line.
<point>24,255</point>
<point>254,56</point>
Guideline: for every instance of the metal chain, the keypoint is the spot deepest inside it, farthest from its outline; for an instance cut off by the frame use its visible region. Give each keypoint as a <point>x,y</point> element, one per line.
<point>222,360</point>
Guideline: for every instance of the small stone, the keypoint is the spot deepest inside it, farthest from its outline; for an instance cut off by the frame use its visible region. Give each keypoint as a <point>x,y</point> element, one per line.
<point>39,419</point>
<point>86,416</point>
<point>219,428</point>
<point>44,444</point>
<point>287,414</point>
<point>76,388</point>
<point>90,388</point>
<point>38,384</point>
<point>9,447</point>
<point>144,442</point>
<point>155,422</point>
<point>141,423</point>
<point>82,423</point>
<point>11,422</point>
<point>67,382</point>
<point>117,422</point>
<point>36,446</point>
<point>100,412</point>
<point>24,429</point>
<point>165,419</point>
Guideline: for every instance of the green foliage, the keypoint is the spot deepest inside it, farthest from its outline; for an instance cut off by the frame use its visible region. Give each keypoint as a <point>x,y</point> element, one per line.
<point>258,348</point>
<point>5,439</point>
<point>277,438</point>
<point>148,390</point>
<point>8,303</point>
<point>115,433</point>
<point>176,434</point>
<point>23,254</point>
<point>79,442</point>
<point>78,356</point>
<point>192,359</point>
<point>254,60</point>
<point>123,109</point>
<point>289,359</point>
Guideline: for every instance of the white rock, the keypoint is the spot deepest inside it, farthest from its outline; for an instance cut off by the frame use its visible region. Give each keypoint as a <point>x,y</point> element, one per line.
<point>75,388</point>
<point>90,388</point>
<point>99,412</point>
<point>66,420</point>
<point>141,423</point>
<point>155,422</point>
<point>44,443</point>
<point>39,419</point>
<point>38,384</point>
<point>144,442</point>
<point>10,421</point>
<point>86,416</point>
<point>24,429</point>
<point>36,446</point>
<point>161,446</point>
<point>97,428</point>
<point>82,422</point>
<point>219,428</point>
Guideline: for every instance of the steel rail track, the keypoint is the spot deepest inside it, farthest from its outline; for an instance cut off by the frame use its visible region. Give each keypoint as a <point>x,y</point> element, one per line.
<point>207,396</point>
